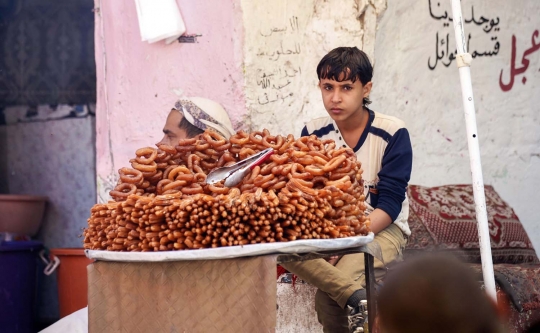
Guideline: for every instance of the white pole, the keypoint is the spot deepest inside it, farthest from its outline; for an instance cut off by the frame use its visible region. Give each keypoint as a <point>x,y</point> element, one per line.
<point>463,61</point>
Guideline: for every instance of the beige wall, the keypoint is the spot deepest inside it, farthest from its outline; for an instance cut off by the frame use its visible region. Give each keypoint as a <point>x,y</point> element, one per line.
<point>429,100</point>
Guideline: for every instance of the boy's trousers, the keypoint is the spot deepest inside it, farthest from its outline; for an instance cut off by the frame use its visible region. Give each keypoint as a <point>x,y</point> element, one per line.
<point>337,283</point>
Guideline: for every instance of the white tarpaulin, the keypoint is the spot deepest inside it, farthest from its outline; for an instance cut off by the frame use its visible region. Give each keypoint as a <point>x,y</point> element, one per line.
<point>227,252</point>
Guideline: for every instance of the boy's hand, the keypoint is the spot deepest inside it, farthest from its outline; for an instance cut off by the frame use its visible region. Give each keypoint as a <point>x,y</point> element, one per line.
<point>333,260</point>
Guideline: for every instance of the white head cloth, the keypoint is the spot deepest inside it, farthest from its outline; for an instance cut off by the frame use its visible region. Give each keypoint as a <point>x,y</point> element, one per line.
<point>204,113</point>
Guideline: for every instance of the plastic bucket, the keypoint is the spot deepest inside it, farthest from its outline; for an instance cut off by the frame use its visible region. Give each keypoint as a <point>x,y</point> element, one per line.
<point>72,279</point>
<point>21,214</point>
<point>18,273</point>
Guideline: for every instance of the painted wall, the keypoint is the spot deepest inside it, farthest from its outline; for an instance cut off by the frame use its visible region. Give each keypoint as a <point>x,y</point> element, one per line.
<point>137,81</point>
<point>416,80</point>
<point>259,60</point>
<point>284,41</point>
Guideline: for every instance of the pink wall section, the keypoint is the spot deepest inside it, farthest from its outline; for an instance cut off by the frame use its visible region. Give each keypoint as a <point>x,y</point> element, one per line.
<point>136,80</point>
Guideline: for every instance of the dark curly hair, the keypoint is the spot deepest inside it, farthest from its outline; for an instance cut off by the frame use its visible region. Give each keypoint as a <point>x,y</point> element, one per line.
<point>191,130</point>
<point>350,62</point>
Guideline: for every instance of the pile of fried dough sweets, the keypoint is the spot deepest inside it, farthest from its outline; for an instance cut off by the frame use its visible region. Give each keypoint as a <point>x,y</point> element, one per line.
<point>308,189</point>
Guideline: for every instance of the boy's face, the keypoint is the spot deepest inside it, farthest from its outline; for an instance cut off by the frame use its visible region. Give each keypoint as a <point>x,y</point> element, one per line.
<point>172,133</point>
<point>343,99</point>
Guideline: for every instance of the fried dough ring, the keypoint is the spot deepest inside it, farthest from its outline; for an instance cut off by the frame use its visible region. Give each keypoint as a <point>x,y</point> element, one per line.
<point>161,184</point>
<point>223,147</point>
<point>277,139</point>
<point>185,149</point>
<point>187,142</point>
<point>297,171</point>
<point>192,189</point>
<point>245,153</point>
<point>146,155</point>
<point>130,176</point>
<point>256,137</point>
<point>199,177</point>
<point>287,144</point>
<point>150,167</point>
<point>174,185</point>
<point>123,190</point>
<point>179,169</point>
<point>240,138</point>
<point>279,159</point>
<point>214,138</point>
<point>218,190</point>
<point>166,148</point>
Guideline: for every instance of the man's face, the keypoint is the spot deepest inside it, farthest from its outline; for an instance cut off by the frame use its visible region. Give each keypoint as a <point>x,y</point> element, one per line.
<point>172,133</point>
<point>343,99</point>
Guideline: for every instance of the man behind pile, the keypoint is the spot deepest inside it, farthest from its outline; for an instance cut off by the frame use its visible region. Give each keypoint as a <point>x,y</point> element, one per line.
<point>192,116</point>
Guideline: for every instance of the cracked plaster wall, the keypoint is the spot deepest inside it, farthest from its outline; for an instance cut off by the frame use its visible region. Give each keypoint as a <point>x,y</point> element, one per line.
<point>284,41</point>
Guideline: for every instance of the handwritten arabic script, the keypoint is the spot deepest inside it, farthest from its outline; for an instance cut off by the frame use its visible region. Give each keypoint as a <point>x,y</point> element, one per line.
<point>443,53</point>
<point>514,70</point>
<point>280,62</point>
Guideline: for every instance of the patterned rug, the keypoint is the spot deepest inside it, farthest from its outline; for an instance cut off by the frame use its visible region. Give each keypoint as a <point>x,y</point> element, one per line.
<point>444,218</point>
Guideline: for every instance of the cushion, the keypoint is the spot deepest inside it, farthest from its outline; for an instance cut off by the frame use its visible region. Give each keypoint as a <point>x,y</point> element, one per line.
<point>444,218</point>
<point>520,282</point>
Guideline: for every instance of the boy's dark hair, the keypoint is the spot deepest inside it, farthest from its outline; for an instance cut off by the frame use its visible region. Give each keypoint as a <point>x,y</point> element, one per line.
<point>191,130</point>
<point>435,293</point>
<point>350,62</point>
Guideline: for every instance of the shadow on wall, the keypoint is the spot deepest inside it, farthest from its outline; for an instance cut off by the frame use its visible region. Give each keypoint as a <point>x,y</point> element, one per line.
<point>4,189</point>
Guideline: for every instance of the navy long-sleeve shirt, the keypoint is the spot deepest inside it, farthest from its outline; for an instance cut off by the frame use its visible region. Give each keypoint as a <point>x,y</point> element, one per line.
<point>385,151</point>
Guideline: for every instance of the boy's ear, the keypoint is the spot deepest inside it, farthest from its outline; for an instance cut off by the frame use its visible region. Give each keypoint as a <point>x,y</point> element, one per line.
<point>367,88</point>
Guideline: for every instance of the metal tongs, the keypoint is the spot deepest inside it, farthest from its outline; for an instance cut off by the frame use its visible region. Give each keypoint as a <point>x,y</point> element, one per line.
<point>234,174</point>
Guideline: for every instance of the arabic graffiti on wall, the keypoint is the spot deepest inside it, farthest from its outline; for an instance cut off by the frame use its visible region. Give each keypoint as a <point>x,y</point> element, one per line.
<point>480,26</point>
<point>274,83</point>
<point>507,84</point>
<point>444,54</point>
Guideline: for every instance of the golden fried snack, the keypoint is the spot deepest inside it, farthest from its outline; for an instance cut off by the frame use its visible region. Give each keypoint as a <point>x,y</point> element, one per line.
<point>306,190</point>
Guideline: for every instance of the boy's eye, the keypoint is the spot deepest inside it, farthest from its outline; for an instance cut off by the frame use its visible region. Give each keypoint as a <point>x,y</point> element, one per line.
<point>327,88</point>
<point>347,88</point>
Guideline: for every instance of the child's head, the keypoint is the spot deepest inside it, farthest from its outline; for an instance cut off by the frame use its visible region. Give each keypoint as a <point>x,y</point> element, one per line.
<point>435,293</point>
<point>346,63</point>
<point>192,116</point>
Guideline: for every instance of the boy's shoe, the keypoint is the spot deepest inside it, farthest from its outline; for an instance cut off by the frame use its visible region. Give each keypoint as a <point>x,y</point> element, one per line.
<point>356,319</point>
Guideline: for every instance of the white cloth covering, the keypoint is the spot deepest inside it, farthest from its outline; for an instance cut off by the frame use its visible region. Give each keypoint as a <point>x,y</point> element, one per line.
<point>77,322</point>
<point>159,20</point>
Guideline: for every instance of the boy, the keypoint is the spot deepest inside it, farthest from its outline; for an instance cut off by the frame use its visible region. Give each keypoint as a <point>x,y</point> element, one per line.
<point>383,146</point>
